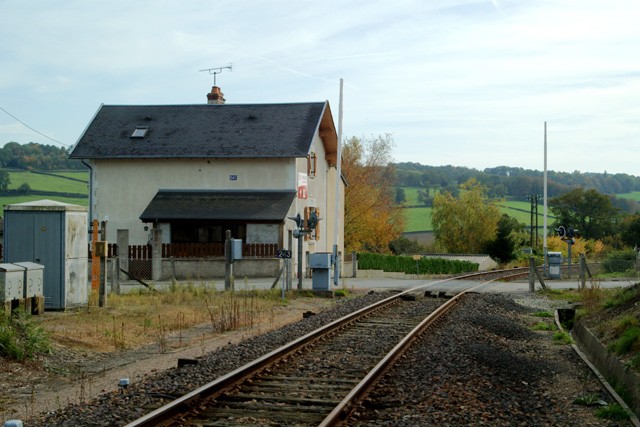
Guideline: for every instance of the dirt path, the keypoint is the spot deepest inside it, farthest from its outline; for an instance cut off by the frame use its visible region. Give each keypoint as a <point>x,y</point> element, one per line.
<point>72,377</point>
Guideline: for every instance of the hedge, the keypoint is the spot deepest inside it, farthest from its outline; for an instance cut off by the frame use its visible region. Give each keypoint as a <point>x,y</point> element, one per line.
<point>405,264</point>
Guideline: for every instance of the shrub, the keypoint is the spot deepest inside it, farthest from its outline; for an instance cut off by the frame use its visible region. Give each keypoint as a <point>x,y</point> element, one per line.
<point>619,262</point>
<point>391,263</point>
<point>20,337</point>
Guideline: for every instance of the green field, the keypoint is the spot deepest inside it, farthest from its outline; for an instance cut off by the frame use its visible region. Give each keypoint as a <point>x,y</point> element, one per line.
<point>419,218</point>
<point>635,195</point>
<point>54,184</point>
<point>50,183</point>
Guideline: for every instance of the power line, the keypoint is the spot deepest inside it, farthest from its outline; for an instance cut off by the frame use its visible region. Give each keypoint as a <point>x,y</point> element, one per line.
<point>36,131</point>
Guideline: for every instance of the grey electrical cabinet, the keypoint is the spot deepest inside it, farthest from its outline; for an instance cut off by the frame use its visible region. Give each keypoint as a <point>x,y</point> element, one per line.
<point>320,263</point>
<point>54,235</point>
<point>555,264</point>
<point>11,282</point>
<point>33,278</point>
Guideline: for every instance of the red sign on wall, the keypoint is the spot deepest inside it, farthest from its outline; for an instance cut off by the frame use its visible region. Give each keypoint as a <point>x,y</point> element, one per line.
<point>302,186</point>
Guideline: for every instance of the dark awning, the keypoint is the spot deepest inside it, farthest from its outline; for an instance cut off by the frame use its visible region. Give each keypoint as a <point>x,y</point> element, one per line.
<point>243,205</point>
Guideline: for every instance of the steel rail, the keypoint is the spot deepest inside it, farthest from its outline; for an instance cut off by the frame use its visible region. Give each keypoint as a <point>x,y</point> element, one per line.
<point>166,413</point>
<point>183,403</point>
<point>344,408</point>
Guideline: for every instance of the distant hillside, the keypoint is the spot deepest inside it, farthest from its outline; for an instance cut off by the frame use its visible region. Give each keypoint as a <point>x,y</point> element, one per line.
<point>37,156</point>
<point>517,183</point>
<point>63,186</point>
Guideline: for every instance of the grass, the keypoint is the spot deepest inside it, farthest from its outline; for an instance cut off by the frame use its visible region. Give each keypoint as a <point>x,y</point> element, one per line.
<point>146,317</point>
<point>418,219</point>
<point>570,295</point>
<point>627,341</point>
<point>562,338</point>
<point>613,412</point>
<point>634,195</point>
<point>542,314</point>
<point>544,326</point>
<point>50,183</point>
<point>620,298</point>
<point>20,337</point>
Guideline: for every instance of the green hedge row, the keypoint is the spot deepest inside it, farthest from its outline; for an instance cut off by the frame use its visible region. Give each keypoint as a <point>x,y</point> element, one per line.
<point>392,263</point>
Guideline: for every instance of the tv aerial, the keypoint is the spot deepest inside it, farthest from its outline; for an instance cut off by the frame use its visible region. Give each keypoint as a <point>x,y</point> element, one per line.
<point>218,70</point>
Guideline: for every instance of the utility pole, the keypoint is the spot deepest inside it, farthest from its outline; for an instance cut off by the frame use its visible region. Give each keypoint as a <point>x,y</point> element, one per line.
<point>534,198</point>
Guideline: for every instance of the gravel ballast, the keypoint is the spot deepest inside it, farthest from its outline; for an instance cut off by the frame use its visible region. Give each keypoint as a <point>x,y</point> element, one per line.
<point>482,367</point>
<point>485,366</point>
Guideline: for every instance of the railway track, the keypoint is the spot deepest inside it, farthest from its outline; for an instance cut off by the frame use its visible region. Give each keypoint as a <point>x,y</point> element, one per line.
<point>316,379</point>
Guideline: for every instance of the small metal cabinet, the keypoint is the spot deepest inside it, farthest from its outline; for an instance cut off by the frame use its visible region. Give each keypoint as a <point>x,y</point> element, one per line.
<point>320,260</point>
<point>53,234</point>
<point>33,278</point>
<point>320,263</point>
<point>236,249</point>
<point>555,262</point>
<point>11,282</point>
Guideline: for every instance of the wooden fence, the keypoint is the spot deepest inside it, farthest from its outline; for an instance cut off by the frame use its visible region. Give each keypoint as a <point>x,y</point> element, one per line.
<point>194,250</point>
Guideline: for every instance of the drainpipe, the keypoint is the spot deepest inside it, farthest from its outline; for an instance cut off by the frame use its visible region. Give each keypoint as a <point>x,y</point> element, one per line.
<point>90,189</point>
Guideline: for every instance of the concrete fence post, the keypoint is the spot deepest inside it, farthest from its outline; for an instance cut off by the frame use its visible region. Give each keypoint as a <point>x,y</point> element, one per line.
<point>354,263</point>
<point>532,274</point>
<point>156,255</point>
<point>123,252</point>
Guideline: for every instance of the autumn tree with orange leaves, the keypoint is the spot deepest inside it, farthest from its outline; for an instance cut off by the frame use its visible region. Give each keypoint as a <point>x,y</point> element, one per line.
<point>372,218</point>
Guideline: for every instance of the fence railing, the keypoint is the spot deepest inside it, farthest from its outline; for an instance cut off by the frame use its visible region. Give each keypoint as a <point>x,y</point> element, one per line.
<point>193,250</point>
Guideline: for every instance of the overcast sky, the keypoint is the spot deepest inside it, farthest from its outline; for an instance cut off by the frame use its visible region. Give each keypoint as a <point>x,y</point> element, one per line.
<point>459,82</point>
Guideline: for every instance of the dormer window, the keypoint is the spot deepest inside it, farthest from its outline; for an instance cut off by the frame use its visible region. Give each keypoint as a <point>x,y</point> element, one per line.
<point>140,132</point>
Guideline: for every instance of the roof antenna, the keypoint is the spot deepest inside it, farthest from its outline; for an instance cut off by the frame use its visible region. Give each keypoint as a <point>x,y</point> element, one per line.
<point>218,70</point>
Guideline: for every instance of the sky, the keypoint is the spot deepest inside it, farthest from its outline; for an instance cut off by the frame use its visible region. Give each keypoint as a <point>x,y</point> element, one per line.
<point>454,82</point>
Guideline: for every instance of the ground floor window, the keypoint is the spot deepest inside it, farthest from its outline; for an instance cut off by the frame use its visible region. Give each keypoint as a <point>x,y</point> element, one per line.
<point>203,232</point>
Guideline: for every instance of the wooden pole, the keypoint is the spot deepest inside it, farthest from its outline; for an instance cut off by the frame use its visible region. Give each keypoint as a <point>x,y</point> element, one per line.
<point>102,293</point>
<point>228,263</point>
<point>95,260</point>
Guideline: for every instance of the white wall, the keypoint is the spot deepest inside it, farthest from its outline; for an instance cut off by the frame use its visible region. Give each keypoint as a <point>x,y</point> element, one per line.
<point>124,188</point>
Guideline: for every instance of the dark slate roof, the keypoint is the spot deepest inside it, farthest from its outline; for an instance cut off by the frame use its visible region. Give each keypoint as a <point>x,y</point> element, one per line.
<point>201,131</point>
<point>244,205</point>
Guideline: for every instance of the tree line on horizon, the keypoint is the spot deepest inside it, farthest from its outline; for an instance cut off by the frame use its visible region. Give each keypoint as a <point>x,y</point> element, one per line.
<point>512,182</point>
<point>34,156</point>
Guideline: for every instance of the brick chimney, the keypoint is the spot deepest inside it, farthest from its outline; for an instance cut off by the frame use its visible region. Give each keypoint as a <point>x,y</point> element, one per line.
<point>216,96</point>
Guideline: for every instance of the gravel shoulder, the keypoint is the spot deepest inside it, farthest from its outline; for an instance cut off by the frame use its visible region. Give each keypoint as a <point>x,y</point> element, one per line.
<point>71,376</point>
<point>81,389</point>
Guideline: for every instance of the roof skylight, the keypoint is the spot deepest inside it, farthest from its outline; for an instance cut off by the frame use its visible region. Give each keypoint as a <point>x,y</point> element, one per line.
<point>140,132</point>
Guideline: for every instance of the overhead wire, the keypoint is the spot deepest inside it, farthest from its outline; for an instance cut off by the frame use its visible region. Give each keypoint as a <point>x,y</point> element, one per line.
<point>35,130</point>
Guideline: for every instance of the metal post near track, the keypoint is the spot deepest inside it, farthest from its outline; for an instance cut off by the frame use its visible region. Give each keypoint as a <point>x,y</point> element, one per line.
<point>532,274</point>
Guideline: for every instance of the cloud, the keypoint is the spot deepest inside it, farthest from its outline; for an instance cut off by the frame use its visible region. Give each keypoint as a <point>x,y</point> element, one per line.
<point>452,80</point>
